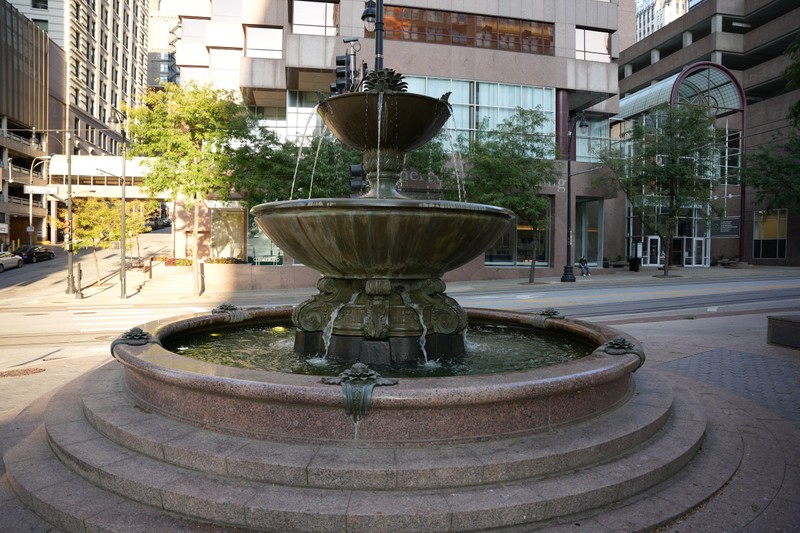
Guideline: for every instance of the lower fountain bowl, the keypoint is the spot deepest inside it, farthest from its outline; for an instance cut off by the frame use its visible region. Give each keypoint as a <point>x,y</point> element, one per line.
<point>414,412</point>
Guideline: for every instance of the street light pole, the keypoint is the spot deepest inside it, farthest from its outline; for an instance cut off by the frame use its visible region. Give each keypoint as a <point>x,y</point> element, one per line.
<point>68,236</point>
<point>569,275</point>
<point>373,15</point>
<point>119,118</point>
<point>41,159</point>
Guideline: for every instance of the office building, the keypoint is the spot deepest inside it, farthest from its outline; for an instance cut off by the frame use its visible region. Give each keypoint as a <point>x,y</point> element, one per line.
<point>747,40</point>
<point>492,56</point>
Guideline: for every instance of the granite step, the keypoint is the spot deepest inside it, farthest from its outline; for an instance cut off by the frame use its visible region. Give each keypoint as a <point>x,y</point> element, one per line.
<point>121,475</point>
<point>71,498</point>
<point>114,414</point>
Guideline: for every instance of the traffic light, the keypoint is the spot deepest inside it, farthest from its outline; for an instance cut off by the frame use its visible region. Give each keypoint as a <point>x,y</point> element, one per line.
<point>344,75</point>
<point>358,179</point>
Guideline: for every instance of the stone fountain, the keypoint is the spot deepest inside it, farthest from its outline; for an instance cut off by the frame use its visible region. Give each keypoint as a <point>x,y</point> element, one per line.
<point>382,300</point>
<point>162,442</point>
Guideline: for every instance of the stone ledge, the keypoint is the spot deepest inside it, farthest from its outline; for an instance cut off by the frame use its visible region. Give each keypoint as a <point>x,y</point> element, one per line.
<point>784,330</point>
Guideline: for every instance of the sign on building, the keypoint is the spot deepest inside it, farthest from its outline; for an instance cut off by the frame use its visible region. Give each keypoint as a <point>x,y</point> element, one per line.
<point>723,228</point>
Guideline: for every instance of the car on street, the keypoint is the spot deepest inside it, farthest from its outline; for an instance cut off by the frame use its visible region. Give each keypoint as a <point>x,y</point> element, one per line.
<point>32,254</point>
<point>9,260</point>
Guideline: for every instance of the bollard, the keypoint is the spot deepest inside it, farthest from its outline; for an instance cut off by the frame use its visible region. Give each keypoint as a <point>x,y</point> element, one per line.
<point>78,293</point>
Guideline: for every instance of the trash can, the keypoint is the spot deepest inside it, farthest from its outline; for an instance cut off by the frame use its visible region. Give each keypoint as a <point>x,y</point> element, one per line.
<point>634,263</point>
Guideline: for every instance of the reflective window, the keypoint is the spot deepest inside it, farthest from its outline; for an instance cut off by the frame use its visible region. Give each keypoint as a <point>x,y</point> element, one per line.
<point>474,101</point>
<point>462,29</point>
<point>263,42</point>
<point>593,45</point>
<point>315,18</point>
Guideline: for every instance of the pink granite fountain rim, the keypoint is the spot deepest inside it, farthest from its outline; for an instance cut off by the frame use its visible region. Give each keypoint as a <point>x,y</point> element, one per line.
<point>267,405</point>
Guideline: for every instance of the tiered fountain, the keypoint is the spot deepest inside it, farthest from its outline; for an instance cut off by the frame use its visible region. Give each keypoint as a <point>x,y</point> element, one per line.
<point>164,442</point>
<point>382,300</point>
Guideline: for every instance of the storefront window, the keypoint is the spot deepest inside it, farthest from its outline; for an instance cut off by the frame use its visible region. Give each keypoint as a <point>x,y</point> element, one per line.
<point>227,233</point>
<point>769,234</point>
<point>521,244</point>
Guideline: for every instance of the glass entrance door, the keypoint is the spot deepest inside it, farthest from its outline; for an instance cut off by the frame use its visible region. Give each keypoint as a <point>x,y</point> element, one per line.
<point>652,252</point>
<point>695,252</point>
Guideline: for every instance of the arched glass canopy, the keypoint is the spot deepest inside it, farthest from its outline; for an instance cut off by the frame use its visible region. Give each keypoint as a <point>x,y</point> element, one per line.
<point>703,82</point>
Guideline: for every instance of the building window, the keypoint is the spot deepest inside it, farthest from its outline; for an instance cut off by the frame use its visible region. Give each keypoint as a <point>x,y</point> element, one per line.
<point>263,42</point>
<point>769,234</point>
<point>315,18</point>
<point>42,24</point>
<point>591,45</point>
<point>462,29</point>
<point>520,244</point>
<point>39,4</point>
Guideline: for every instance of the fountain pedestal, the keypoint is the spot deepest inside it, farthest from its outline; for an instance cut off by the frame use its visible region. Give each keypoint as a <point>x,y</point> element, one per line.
<point>380,321</point>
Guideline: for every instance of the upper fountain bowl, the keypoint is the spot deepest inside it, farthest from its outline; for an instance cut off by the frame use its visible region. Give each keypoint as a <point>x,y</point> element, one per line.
<point>407,120</point>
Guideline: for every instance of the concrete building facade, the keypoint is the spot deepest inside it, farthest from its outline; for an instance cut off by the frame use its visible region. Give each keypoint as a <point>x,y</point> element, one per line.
<point>67,65</point>
<point>748,38</point>
<point>492,56</point>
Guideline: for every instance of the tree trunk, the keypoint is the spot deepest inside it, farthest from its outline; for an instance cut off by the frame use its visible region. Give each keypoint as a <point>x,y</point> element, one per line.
<point>196,239</point>
<point>532,271</point>
<point>96,263</point>
<point>172,228</point>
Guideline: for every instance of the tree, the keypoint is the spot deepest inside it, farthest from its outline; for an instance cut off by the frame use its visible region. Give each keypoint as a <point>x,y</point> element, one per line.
<point>189,131</point>
<point>772,168</point>
<point>664,165</point>
<point>432,166</point>
<point>267,169</point>
<point>792,76</point>
<point>508,166</point>
<point>93,221</point>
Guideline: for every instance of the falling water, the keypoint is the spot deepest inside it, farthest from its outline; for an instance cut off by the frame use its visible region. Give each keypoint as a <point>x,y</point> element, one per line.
<point>300,150</point>
<point>328,330</point>
<point>378,156</point>
<point>316,157</point>
<point>415,307</point>
<point>459,167</point>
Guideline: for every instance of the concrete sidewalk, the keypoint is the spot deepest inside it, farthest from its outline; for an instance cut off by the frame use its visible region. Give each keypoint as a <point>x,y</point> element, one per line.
<point>723,359</point>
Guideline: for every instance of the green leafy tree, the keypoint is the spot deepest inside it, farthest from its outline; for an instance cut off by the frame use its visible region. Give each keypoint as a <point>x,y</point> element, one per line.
<point>772,168</point>
<point>664,165</point>
<point>792,75</point>
<point>267,169</point>
<point>189,131</point>
<point>772,171</point>
<point>93,222</point>
<point>432,166</point>
<point>508,166</point>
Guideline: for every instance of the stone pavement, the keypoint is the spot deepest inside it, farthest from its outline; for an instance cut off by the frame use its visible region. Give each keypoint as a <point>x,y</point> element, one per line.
<point>722,358</point>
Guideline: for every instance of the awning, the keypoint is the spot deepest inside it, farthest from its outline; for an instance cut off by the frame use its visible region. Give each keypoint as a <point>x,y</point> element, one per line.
<point>701,83</point>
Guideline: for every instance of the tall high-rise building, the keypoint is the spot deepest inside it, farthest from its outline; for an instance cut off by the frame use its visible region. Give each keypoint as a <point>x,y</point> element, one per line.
<point>105,43</point>
<point>652,15</point>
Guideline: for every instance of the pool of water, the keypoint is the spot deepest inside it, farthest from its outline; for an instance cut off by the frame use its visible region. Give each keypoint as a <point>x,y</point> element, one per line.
<point>490,349</point>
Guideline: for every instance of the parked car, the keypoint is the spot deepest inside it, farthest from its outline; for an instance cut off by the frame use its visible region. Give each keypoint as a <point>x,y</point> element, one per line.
<point>9,260</point>
<point>31,254</point>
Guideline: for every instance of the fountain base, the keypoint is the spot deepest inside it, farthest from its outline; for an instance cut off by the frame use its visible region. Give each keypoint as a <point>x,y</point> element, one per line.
<point>380,321</point>
<point>395,351</point>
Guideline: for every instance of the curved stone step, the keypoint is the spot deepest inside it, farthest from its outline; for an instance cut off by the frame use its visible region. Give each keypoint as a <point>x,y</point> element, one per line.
<point>253,505</point>
<point>114,415</point>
